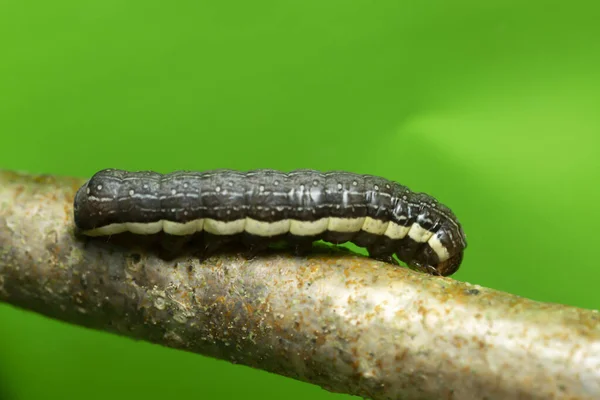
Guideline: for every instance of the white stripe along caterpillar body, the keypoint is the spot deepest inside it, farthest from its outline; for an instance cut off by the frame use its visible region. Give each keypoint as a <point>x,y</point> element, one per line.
<point>300,206</point>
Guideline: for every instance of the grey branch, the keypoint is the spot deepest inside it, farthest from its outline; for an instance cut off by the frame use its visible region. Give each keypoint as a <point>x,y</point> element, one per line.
<point>344,322</point>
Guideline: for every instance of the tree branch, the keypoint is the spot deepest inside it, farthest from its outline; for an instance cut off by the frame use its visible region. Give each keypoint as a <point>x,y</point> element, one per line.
<point>346,323</point>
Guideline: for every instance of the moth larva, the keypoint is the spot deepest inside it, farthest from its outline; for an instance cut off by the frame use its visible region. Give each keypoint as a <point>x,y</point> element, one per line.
<point>258,206</point>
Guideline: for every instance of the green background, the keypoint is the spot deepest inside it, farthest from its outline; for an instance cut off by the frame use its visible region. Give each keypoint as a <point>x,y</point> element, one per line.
<point>491,106</point>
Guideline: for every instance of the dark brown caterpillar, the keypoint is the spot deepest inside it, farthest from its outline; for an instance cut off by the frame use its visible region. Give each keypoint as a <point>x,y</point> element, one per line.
<point>259,206</point>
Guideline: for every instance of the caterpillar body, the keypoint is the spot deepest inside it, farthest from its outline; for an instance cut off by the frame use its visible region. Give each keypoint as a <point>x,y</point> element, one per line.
<point>261,206</point>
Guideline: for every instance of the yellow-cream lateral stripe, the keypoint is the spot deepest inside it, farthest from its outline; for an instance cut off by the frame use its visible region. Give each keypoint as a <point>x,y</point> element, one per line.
<point>269,229</point>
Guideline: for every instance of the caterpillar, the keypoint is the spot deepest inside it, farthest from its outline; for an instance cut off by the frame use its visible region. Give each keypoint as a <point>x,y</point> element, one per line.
<point>260,206</point>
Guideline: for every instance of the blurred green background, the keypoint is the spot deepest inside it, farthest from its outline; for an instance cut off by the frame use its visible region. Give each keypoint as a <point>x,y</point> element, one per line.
<point>493,107</point>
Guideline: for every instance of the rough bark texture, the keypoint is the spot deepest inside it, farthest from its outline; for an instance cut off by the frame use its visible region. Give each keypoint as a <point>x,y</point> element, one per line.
<point>346,323</point>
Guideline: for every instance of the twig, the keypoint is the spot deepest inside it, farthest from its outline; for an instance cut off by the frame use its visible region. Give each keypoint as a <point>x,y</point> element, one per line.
<point>346,323</point>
